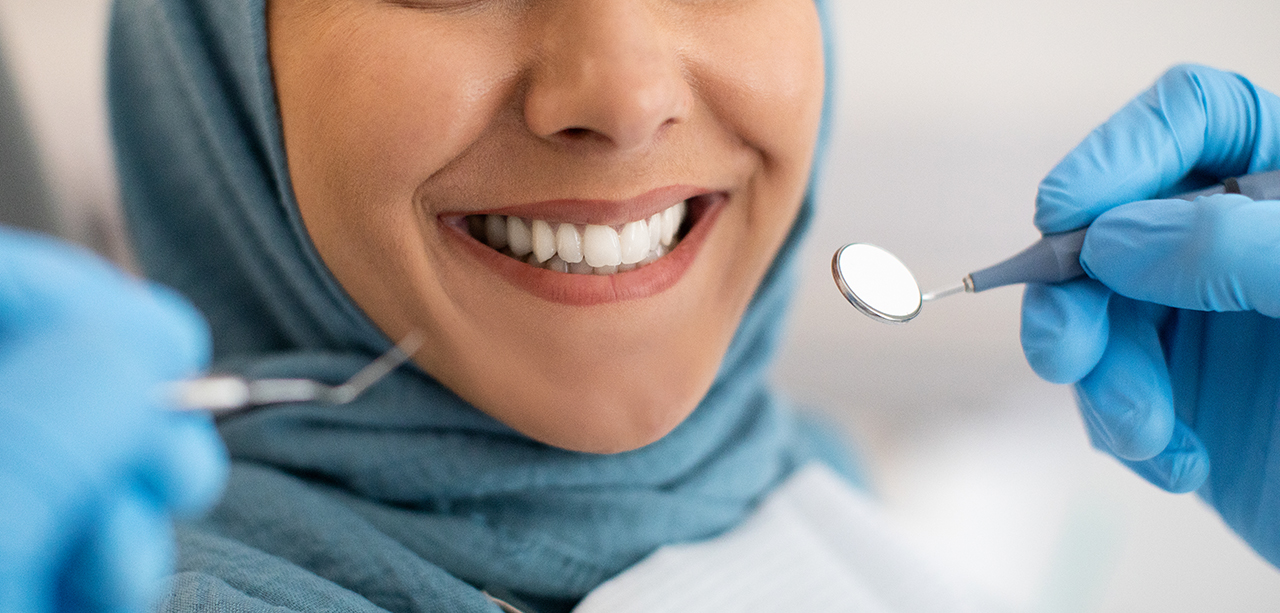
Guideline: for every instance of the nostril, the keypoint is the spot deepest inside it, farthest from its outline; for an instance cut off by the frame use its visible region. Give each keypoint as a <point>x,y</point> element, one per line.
<point>622,138</point>
<point>581,136</point>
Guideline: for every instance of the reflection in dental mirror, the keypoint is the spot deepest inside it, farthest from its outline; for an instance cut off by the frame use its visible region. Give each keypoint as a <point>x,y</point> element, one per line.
<point>876,282</point>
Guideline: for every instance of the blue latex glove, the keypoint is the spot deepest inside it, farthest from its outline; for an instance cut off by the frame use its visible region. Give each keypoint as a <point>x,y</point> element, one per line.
<point>1172,344</point>
<point>91,463</point>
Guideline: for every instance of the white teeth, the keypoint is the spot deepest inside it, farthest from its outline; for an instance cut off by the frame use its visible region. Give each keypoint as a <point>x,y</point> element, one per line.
<point>568,243</point>
<point>555,264</point>
<point>544,240</point>
<point>495,230</point>
<point>655,231</point>
<point>654,255</point>
<point>519,238</point>
<point>635,241</point>
<point>564,247</point>
<point>671,220</point>
<point>601,246</point>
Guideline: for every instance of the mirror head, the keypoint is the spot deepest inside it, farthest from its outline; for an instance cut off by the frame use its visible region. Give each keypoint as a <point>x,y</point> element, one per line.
<point>876,282</point>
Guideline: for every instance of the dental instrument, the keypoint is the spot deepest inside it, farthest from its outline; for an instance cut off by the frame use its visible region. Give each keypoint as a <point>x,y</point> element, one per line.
<point>883,288</point>
<point>226,394</point>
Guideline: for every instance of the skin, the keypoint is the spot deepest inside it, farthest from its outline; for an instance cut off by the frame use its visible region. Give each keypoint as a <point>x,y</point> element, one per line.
<point>395,113</point>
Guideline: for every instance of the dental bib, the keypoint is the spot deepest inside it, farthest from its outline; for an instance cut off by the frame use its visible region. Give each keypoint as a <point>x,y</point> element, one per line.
<point>815,544</point>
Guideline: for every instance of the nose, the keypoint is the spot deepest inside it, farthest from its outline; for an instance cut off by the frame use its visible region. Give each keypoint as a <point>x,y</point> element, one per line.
<point>606,73</point>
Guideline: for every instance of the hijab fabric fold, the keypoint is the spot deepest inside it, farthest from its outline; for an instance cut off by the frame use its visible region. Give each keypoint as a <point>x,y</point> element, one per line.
<point>409,499</point>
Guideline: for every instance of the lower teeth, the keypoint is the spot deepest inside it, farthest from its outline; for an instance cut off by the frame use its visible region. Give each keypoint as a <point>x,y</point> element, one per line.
<point>556,264</point>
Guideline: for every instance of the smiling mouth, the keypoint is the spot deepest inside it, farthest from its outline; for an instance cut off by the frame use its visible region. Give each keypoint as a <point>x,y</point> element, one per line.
<point>584,253</point>
<point>587,249</point>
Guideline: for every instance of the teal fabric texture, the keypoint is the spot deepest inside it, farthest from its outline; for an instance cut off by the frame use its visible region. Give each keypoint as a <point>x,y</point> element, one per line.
<point>409,500</point>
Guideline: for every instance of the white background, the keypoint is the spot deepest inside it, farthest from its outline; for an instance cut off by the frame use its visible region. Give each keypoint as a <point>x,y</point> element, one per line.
<point>949,115</point>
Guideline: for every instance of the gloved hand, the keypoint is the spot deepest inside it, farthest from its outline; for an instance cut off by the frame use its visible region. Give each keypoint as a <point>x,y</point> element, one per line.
<point>1172,344</point>
<point>91,463</point>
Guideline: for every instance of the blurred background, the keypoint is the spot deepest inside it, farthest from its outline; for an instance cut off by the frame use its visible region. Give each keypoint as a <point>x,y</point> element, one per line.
<point>949,113</point>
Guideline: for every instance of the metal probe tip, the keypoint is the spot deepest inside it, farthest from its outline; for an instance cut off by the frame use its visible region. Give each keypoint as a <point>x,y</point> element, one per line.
<point>225,394</point>
<point>943,293</point>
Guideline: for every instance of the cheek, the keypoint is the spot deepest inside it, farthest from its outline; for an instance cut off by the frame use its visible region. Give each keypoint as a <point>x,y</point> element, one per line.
<point>766,85</point>
<point>767,80</point>
<point>412,98</point>
<point>366,123</point>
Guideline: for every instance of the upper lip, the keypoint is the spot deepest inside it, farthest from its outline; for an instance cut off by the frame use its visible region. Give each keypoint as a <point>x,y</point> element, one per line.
<point>597,212</point>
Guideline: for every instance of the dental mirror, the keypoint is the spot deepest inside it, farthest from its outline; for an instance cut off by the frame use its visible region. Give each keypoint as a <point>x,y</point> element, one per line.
<point>880,285</point>
<point>877,283</point>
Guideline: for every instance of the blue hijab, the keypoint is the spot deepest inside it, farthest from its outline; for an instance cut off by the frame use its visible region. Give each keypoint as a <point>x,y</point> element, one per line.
<point>411,499</point>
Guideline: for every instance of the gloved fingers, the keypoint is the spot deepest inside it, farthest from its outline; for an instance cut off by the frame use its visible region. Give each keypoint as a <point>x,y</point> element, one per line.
<point>46,284</point>
<point>41,278</point>
<point>189,465</point>
<point>1127,399</point>
<point>124,560</point>
<point>1065,328</point>
<point>1219,253</point>
<point>1193,120</point>
<point>177,332</point>
<point>21,593</point>
<point>1182,467</point>
<point>27,559</point>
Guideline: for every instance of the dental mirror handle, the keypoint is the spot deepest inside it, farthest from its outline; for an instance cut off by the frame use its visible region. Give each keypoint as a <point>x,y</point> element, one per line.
<point>1056,257</point>
<point>1052,259</point>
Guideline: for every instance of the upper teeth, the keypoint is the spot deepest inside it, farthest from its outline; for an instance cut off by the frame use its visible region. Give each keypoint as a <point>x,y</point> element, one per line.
<point>566,247</point>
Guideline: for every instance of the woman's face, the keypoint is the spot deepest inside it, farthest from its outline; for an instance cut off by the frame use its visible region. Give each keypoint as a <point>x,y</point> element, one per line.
<point>475,170</point>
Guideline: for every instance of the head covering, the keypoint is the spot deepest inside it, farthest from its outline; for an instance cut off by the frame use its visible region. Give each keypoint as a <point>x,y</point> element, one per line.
<point>411,497</point>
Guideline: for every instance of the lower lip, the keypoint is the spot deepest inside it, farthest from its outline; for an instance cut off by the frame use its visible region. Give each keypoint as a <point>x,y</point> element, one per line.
<point>588,290</point>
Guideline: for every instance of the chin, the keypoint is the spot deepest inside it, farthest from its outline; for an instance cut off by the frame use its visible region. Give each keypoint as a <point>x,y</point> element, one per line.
<point>629,429</point>
<point>602,419</point>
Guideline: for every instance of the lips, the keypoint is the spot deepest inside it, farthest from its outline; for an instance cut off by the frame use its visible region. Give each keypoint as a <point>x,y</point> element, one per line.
<point>583,252</point>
